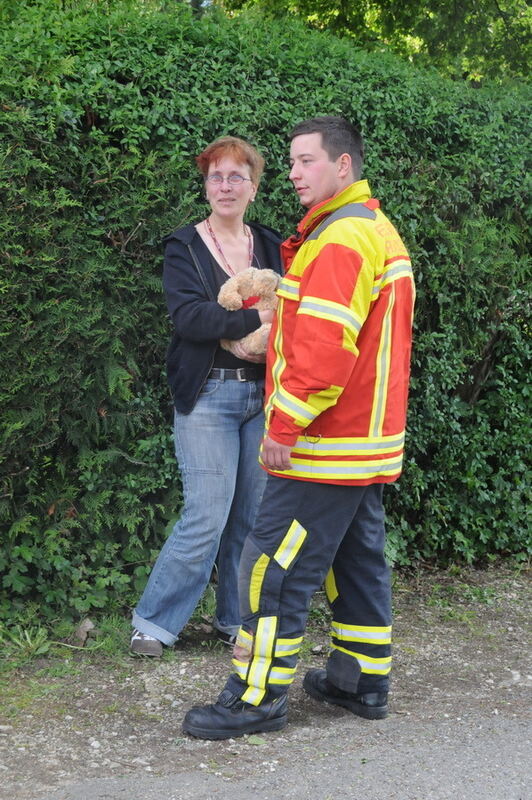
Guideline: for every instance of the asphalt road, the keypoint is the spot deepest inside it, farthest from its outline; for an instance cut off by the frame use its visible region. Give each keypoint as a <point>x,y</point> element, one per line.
<point>477,757</point>
<point>459,728</point>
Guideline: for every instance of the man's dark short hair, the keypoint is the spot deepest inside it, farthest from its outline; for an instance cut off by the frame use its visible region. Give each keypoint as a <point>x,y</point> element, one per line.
<point>337,136</point>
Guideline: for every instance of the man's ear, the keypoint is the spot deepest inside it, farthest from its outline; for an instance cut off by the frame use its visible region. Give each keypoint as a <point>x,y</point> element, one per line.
<point>345,165</point>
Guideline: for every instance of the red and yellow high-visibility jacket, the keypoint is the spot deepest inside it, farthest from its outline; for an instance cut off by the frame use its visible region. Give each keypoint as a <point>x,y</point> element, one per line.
<point>339,356</point>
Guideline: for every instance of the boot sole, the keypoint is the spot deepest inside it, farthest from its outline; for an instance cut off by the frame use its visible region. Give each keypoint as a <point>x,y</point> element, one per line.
<point>144,655</point>
<point>208,733</point>
<point>361,710</point>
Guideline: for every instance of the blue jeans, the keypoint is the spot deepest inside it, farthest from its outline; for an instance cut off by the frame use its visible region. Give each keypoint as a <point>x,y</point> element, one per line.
<point>217,448</point>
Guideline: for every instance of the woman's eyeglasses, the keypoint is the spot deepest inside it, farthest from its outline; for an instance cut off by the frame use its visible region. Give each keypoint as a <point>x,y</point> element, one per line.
<point>234,180</point>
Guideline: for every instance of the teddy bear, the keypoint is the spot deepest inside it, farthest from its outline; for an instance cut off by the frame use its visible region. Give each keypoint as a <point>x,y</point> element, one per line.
<point>251,288</point>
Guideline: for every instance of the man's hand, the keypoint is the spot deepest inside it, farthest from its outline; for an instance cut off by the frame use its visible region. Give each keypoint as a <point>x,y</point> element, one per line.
<point>276,456</point>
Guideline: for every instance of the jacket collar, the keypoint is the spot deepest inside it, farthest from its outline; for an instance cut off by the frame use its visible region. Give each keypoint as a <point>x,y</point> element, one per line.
<point>358,192</point>
<point>184,235</point>
<point>188,232</point>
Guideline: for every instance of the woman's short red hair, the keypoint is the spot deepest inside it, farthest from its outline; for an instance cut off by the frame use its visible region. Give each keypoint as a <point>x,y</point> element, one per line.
<point>241,151</point>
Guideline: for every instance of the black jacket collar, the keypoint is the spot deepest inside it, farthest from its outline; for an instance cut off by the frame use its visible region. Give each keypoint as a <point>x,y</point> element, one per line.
<point>187,233</point>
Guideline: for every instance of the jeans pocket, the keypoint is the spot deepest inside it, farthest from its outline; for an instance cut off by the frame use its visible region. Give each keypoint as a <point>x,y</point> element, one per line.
<point>210,386</point>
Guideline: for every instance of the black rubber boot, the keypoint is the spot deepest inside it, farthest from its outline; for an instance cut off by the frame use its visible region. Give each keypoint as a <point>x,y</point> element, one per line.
<point>373,705</point>
<point>230,717</point>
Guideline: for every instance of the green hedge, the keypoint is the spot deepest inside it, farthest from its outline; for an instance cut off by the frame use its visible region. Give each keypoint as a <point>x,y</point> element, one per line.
<point>102,109</point>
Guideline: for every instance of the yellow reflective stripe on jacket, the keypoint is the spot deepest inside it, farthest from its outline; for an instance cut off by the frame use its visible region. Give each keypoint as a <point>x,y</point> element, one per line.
<point>371,666</point>
<point>289,288</point>
<point>401,268</point>
<point>362,633</point>
<point>337,446</point>
<point>382,370</point>
<point>302,413</point>
<point>291,544</point>
<point>393,271</point>
<point>279,364</point>
<point>335,312</point>
<point>342,470</point>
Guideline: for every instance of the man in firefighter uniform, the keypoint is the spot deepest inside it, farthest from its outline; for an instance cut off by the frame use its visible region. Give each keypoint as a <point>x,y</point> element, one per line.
<point>336,395</point>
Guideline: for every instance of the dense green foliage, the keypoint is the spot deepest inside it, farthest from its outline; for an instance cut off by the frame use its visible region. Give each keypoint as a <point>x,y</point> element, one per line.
<point>102,110</point>
<point>473,39</point>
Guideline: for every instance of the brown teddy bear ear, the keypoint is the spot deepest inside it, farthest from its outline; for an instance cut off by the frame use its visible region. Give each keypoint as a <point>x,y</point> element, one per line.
<point>229,295</point>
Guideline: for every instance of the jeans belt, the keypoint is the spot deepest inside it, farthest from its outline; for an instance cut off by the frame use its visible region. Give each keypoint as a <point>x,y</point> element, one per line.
<point>240,374</point>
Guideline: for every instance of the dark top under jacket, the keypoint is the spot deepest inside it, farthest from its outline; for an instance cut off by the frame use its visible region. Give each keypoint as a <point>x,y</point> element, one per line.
<point>191,283</point>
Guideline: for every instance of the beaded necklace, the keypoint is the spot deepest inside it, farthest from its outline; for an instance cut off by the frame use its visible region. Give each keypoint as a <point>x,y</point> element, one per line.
<point>227,266</point>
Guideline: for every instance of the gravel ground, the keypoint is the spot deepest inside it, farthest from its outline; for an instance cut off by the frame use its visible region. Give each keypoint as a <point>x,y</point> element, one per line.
<point>459,727</point>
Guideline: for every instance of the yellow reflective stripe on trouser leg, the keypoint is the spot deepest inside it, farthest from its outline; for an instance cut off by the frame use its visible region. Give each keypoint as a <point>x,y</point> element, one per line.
<point>291,544</point>
<point>261,663</point>
<point>330,587</point>
<point>288,647</point>
<point>371,666</point>
<point>370,634</point>
<point>244,639</point>
<point>282,676</point>
<point>241,668</point>
<point>256,581</point>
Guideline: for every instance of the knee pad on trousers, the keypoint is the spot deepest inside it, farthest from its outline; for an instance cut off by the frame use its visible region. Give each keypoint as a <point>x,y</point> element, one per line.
<point>259,583</point>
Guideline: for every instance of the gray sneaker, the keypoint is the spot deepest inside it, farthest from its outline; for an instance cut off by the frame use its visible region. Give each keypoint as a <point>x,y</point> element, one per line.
<point>227,638</point>
<point>144,645</point>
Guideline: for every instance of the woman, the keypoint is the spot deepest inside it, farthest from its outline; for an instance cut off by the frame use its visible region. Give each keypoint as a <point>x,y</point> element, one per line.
<point>218,399</point>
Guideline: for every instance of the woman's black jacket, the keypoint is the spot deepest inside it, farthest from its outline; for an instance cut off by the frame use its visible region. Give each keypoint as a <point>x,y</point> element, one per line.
<point>199,321</point>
